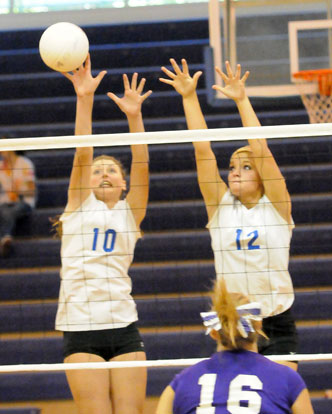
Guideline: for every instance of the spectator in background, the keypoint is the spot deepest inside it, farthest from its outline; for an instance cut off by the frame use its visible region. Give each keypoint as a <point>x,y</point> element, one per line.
<point>17,195</point>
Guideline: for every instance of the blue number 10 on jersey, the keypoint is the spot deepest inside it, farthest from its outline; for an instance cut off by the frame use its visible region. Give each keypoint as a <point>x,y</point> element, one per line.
<point>109,239</point>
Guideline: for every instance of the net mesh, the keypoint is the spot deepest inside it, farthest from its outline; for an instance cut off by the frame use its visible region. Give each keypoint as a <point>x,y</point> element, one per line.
<point>173,268</point>
<point>318,104</point>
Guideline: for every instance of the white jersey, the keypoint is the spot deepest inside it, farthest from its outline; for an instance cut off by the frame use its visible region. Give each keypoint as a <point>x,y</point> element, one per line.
<point>97,249</point>
<point>251,251</point>
<point>15,180</point>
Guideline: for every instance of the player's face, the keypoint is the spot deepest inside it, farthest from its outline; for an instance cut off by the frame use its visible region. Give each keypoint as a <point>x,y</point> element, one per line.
<point>243,178</point>
<point>107,181</point>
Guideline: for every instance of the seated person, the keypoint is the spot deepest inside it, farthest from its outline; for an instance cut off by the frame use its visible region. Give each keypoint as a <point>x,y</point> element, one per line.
<point>17,195</point>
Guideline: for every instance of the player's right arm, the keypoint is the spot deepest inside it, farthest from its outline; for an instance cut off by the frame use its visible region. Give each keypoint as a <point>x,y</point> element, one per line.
<point>272,179</point>
<point>211,185</point>
<point>303,404</point>
<point>165,404</point>
<point>131,105</point>
<point>85,86</point>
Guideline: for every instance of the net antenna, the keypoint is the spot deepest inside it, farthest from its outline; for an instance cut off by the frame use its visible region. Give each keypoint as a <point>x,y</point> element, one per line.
<point>224,47</point>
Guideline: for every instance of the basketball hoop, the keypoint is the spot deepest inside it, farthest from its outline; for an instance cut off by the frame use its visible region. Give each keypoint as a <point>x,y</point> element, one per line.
<point>318,104</point>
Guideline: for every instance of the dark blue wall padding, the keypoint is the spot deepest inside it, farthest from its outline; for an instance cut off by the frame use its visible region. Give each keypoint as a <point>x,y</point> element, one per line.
<point>180,157</point>
<point>170,246</point>
<point>171,187</point>
<point>322,405</point>
<point>158,345</point>
<point>156,312</point>
<point>159,278</point>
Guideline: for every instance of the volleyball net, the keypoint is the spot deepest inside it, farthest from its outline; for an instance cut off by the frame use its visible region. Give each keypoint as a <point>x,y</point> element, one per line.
<point>173,268</point>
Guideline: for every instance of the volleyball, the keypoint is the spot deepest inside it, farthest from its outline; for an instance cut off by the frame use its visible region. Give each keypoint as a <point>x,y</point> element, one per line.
<point>63,47</point>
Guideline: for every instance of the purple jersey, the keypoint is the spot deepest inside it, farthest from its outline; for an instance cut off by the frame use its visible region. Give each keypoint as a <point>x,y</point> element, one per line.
<point>236,382</point>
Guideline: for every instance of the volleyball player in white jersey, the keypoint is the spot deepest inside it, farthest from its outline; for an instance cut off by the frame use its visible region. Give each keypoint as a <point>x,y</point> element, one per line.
<point>236,379</point>
<point>100,228</point>
<point>250,220</point>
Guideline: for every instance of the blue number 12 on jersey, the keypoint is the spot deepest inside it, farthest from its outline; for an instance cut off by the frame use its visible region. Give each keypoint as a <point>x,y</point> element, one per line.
<point>251,245</point>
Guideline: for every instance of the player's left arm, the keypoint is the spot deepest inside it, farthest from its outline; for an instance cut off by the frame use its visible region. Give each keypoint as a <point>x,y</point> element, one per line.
<point>273,181</point>
<point>131,105</point>
<point>303,404</point>
<point>165,404</point>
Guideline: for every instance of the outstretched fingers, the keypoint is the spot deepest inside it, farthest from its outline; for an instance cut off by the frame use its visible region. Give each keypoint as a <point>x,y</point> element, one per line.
<point>223,76</point>
<point>146,95</point>
<point>87,63</point>
<point>176,67</point>
<point>197,75</point>
<point>125,80</point>
<point>67,75</point>
<point>141,86</point>
<point>229,69</point>
<point>185,68</point>
<point>230,75</point>
<point>177,70</point>
<point>134,81</point>
<point>168,72</point>
<point>168,81</point>
<point>245,76</point>
<point>100,76</point>
<point>132,91</point>
<point>238,71</point>
<point>112,96</point>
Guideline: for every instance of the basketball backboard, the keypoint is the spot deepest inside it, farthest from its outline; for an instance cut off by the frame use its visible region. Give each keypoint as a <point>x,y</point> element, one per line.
<point>272,45</point>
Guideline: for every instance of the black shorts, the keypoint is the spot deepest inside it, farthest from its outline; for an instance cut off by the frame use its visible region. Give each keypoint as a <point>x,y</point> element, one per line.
<point>282,334</point>
<point>107,343</point>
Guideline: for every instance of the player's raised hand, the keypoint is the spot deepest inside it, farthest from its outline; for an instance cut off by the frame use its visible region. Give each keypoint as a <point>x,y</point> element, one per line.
<point>132,100</point>
<point>180,79</point>
<point>83,81</point>
<point>234,84</point>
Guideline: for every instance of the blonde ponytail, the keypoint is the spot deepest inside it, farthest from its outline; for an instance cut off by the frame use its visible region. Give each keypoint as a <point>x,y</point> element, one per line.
<point>225,304</point>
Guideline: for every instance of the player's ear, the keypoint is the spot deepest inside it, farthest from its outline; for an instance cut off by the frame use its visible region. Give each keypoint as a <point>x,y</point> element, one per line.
<point>215,335</point>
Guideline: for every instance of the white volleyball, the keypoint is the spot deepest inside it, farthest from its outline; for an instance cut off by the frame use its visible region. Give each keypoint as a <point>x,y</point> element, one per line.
<point>63,47</point>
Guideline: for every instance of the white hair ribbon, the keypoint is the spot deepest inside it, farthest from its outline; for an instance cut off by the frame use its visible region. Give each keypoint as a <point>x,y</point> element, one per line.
<point>211,321</point>
<point>248,312</point>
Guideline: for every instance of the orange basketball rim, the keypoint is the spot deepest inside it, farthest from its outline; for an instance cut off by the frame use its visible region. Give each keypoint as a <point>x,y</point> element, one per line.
<point>323,77</point>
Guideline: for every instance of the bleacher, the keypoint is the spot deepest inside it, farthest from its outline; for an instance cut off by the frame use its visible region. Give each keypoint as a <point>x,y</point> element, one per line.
<point>173,268</point>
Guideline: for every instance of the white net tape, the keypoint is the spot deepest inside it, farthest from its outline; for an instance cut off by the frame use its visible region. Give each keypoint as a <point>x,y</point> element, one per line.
<point>167,137</point>
<point>148,364</point>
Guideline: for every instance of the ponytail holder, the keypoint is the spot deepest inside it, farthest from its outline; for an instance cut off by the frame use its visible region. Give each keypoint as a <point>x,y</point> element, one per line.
<point>211,321</point>
<point>248,312</point>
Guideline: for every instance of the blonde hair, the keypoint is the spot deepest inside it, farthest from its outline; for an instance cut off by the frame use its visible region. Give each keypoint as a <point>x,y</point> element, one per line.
<point>246,148</point>
<point>225,304</point>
